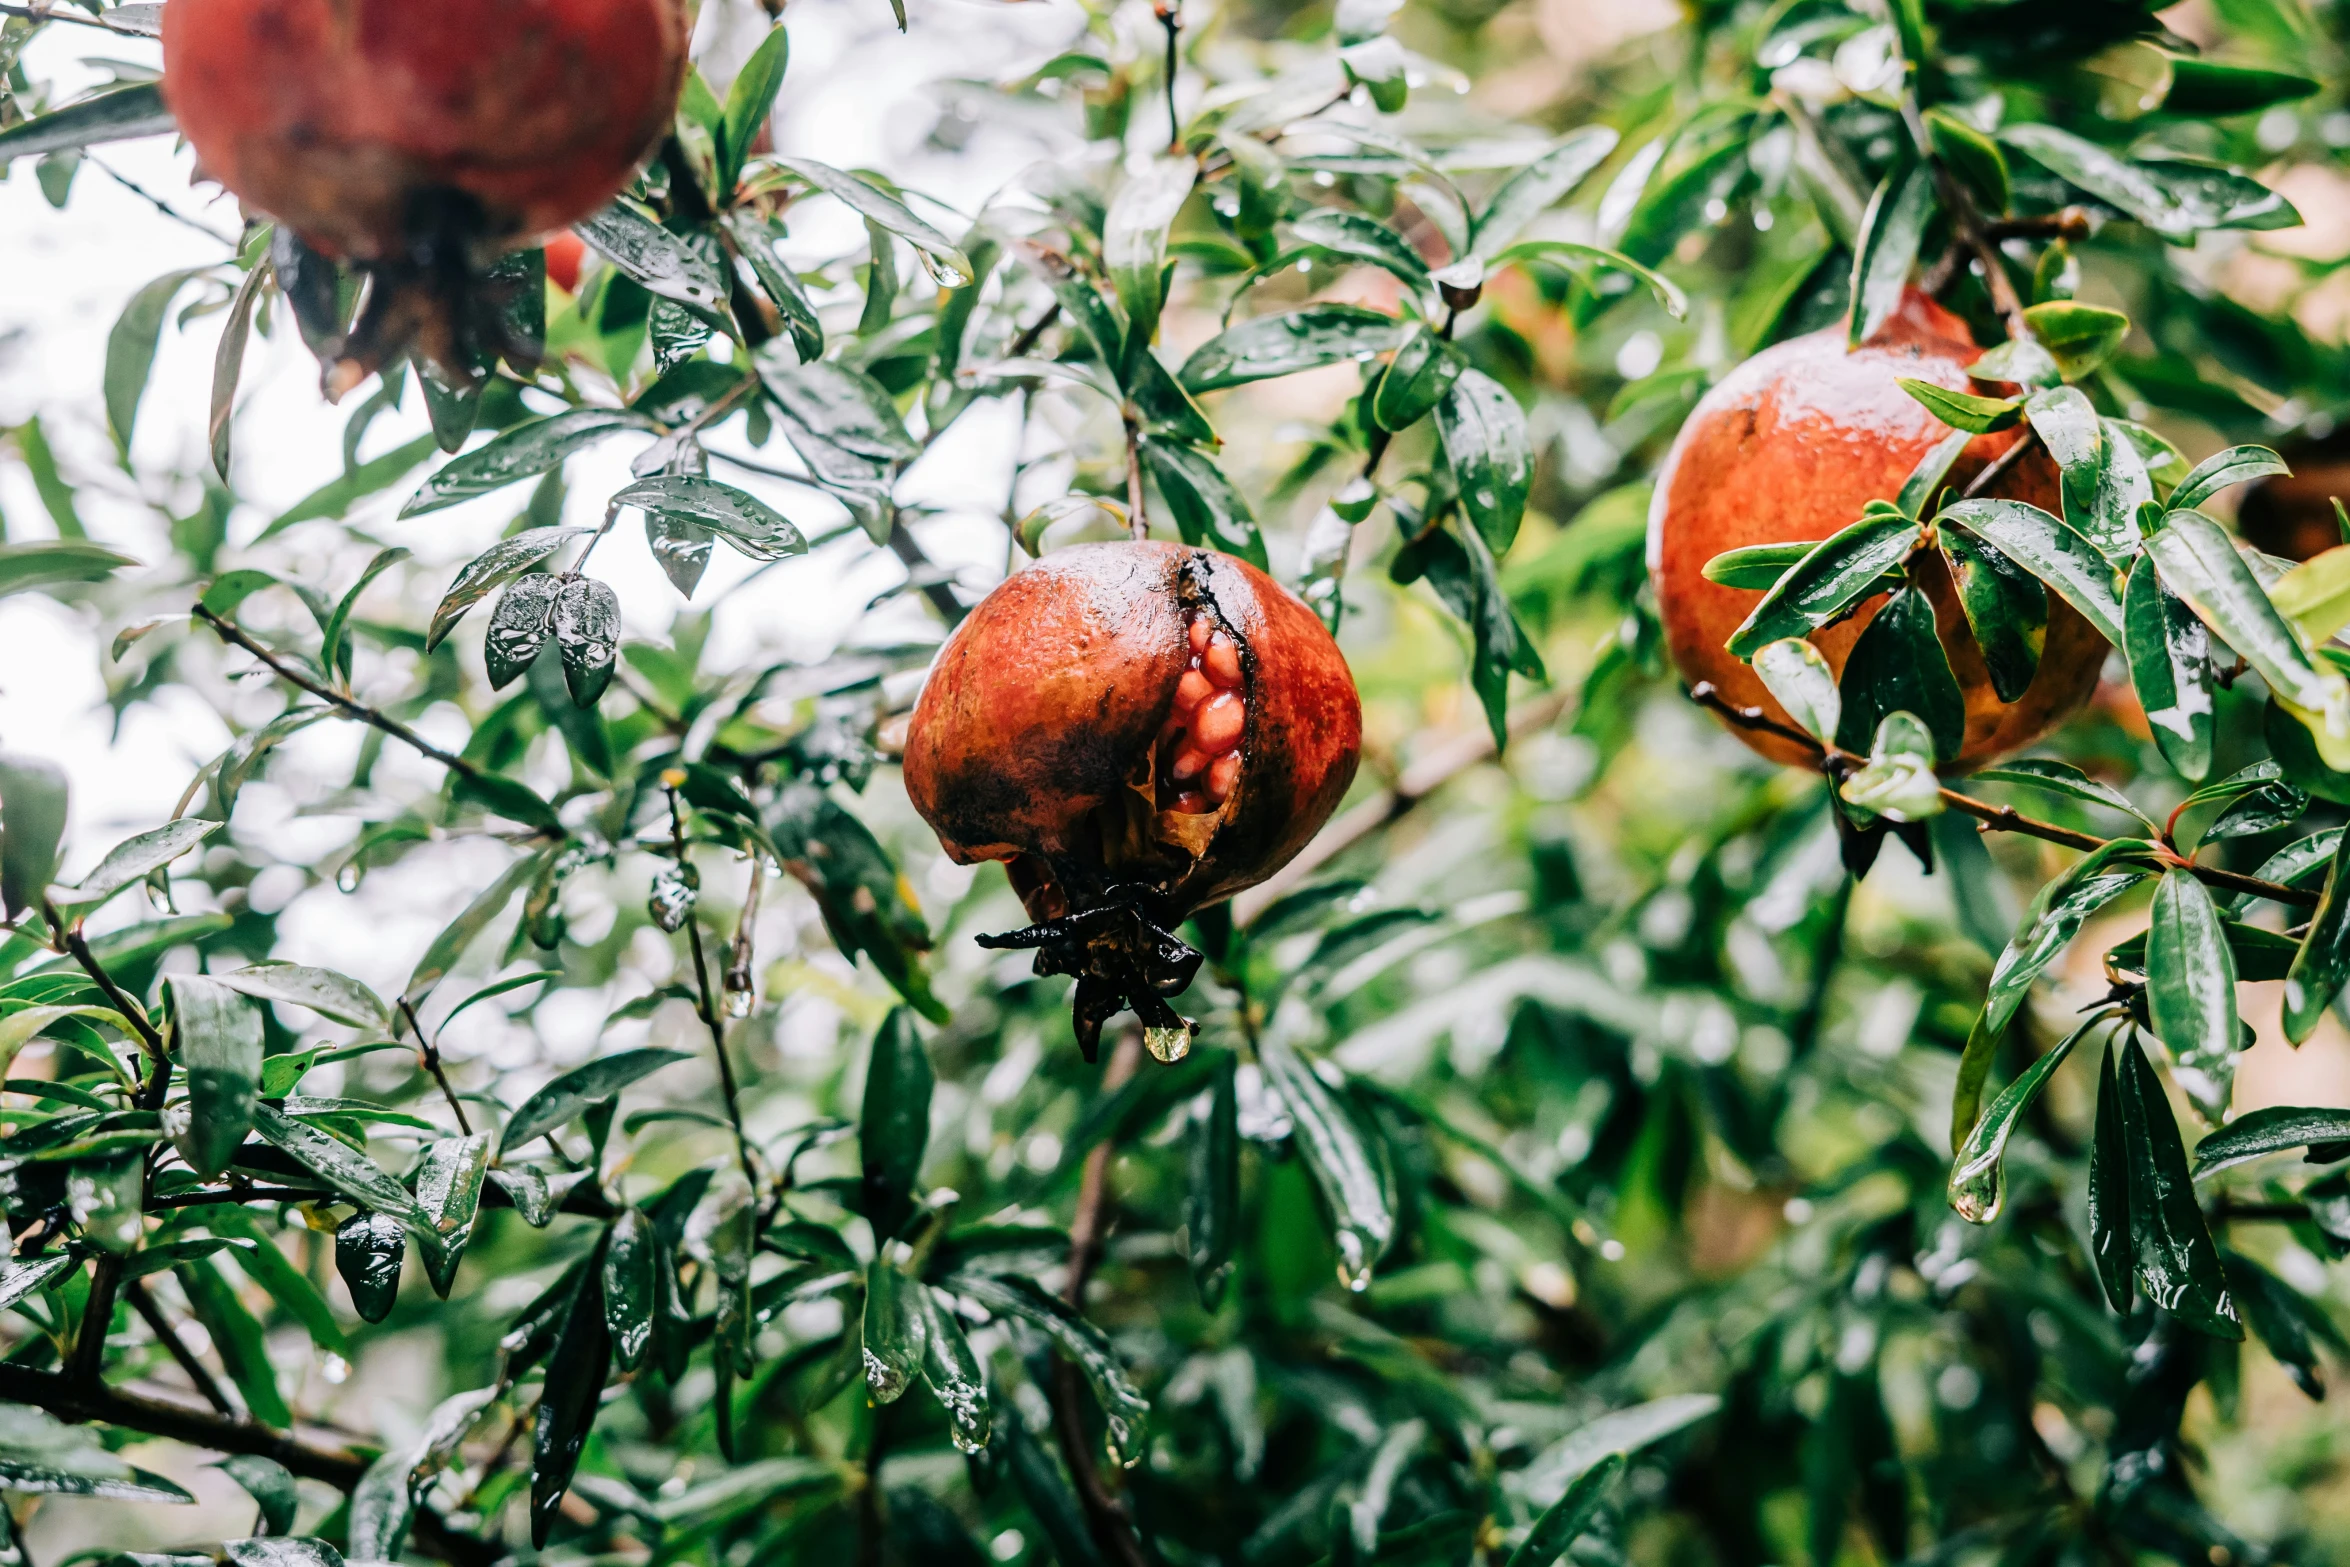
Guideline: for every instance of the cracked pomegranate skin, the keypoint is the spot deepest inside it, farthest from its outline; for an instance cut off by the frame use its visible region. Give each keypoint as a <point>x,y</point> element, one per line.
<point>1790,446</point>
<point>1047,732</point>
<point>349,120</point>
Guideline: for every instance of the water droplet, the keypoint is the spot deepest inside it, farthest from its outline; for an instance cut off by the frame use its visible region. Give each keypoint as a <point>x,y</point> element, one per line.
<point>886,1381</point>
<point>348,878</point>
<point>335,1369</point>
<point>1354,1260</point>
<point>738,1003</point>
<point>1168,1044</point>
<point>675,891</point>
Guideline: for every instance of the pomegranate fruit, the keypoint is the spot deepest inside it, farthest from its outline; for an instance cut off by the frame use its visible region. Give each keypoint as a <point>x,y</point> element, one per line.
<point>1137,730</point>
<point>419,142</point>
<point>566,256</point>
<point>1789,447</point>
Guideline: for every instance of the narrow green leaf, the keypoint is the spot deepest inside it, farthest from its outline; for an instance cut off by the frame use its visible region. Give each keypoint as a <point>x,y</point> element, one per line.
<point>2236,465</point>
<point>2324,1131</point>
<point>130,347</point>
<point>1975,156</point>
<point>2199,563</point>
<point>2058,913</point>
<point>2056,777</point>
<point>2177,200</point>
<point>1899,666</point>
<point>2323,963</point>
<point>1836,574</point>
<point>1300,340</point>
<point>236,1338</point>
<point>228,364</point>
<point>656,260</point>
<point>118,115</point>
<point>2213,87</point>
<point>1538,187</point>
<point>2080,337</point>
<point>746,522</point>
<point>32,824</point>
<point>257,1254</point>
<point>1212,1193</point>
<point>1565,1518</point>
<point>1577,257</point>
<point>1415,380</point>
<point>2191,990</point>
<point>1756,566</point>
<point>1343,1164</point>
<point>2170,666</point>
<point>632,1250</point>
<point>571,1095</point>
<point>946,264</point>
<point>896,1331</point>
<point>2176,1263</point>
<point>133,858</point>
<point>1125,1412</point>
<point>2006,609</point>
<point>1918,490</point>
<point>953,1371</point>
<point>217,1036</point>
<point>448,1180</point>
<point>1485,440</point>
<point>270,1484</point>
<point>340,1165</point>
<point>894,1129</point>
<point>1797,674</point>
<point>1358,238</point>
<point>494,567</point>
<point>1134,240</point>
<point>567,1407</point>
<point>748,102</point>
<point>1890,232</point>
<point>449,946</point>
<point>2061,558</point>
<point>1964,410</point>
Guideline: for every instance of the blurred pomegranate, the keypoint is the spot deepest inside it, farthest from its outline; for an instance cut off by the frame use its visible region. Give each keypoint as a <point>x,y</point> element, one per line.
<point>566,255</point>
<point>1138,730</point>
<point>419,142</point>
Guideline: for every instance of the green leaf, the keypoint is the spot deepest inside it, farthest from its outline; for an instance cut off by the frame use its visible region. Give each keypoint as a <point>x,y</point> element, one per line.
<point>732,1353</point>
<point>1898,665</point>
<point>1538,187</point>
<point>1134,240</point>
<point>2191,990</point>
<point>270,1484</point>
<point>1462,572</point>
<point>132,859</point>
<point>39,1455</point>
<point>1890,232</point>
<point>2058,913</point>
<point>236,1338</point>
<point>1797,674</point>
<point>2170,666</point>
<point>2021,360</point>
<point>118,115</point>
<point>449,946</point>
<point>896,1331</point>
<point>2324,1131</point>
<point>586,627</point>
<point>894,1128</point>
<point>1836,574</point>
<point>2176,1264</point>
<point>1483,432</point>
<point>653,258</point>
<point>22,1278</point>
<point>2081,337</point>
<point>258,1255</point>
<point>1343,1164</point>
<point>228,364</point>
<point>1415,380</point>
<point>523,452</point>
<point>501,563</point>
<point>632,1250</point>
<point>337,496</point>
<point>2284,1320</point>
<point>572,1094</point>
<point>2236,465</point>
<point>1618,1432</point>
<point>32,824</point>
<point>2200,564</point>
<point>1899,780</point>
<point>1300,340</point>
<point>1212,1192</point>
<point>567,1408</point>
<point>844,408</point>
<point>2323,962</point>
<point>2315,595</point>
<point>1209,509</point>
<point>130,348</point>
<point>52,563</point>
<point>748,103</point>
<point>2050,551</point>
<point>1973,156</point>
<point>1566,1518</point>
<point>335,647</point>
<point>1576,256</point>
<point>954,1373</point>
<point>2006,609</point>
<point>1125,1412</point>
<point>1358,238</point>
<point>746,522</point>
<point>755,244</point>
<point>369,1248</point>
<point>2064,778</point>
<point>447,1179</point>
<point>217,1035</point>
<point>518,627</point>
<point>1964,410</point>
<point>340,1165</point>
<point>2177,200</point>
<point>1756,566</point>
<point>947,265</point>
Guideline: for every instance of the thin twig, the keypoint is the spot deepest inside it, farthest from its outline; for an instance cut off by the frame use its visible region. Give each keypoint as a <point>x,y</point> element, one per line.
<point>1138,520</point>
<point>711,1016</point>
<point>44,13</point>
<point>168,1336</point>
<point>1999,465</point>
<point>244,1194</point>
<point>160,205</point>
<point>1999,818</point>
<point>431,1054</point>
<point>1170,15</point>
<point>349,706</point>
<point>1105,1516</point>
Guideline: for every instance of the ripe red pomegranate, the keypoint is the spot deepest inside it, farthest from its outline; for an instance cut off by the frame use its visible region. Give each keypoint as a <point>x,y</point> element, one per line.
<point>422,140</point>
<point>1790,446</point>
<point>1138,730</point>
<point>566,255</point>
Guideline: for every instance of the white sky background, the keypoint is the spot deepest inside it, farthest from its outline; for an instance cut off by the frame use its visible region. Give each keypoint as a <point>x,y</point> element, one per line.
<point>857,94</point>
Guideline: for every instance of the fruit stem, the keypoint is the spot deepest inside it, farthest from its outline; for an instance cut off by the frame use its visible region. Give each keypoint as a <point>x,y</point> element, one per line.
<point>1170,15</point>
<point>1138,521</point>
<point>2000,464</point>
<point>1995,818</point>
<point>1969,224</point>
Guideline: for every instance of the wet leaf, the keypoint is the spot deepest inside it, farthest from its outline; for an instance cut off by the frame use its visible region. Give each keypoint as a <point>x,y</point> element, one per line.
<point>2236,465</point>
<point>1756,566</point>
<point>894,1129</point>
<point>270,1484</point>
<point>632,1251</point>
<point>2200,564</point>
<point>2079,337</point>
<point>586,626</point>
<point>32,823</point>
<point>947,264</point>
<point>1212,1193</point>
<point>2005,607</point>
<point>523,452</point>
<point>119,115</point>
<point>2176,1263</point>
<point>2191,990</point>
<point>228,364</point>
<point>1209,510</point>
<point>2170,666</point>
<point>340,1165</point>
<point>1797,674</point>
<point>653,258</point>
<point>448,1179</point>
<point>572,1094</point>
<point>746,522</point>
<point>955,1376</point>
<point>2058,913</point>
<point>449,946</point>
<point>1978,1176</point>
<point>132,859</point>
<point>1566,1518</point>
<point>1898,666</point>
<point>1125,1412</point>
<point>1578,258</point>
<point>1345,1168</point>
<point>1964,410</point>
<point>236,1338</point>
<point>1358,238</point>
<point>2323,963</point>
<point>2324,1131</point>
<point>1898,782</point>
<point>1134,240</point>
<point>2036,772</point>
<point>2315,595</point>
<point>1300,340</point>
<point>1890,232</point>
<point>1415,380</point>
<point>2175,200</point>
<point>896,1331</point>
<point>519,626</point>
<point>1539,186</point>
<point>1836,574</point>
<point>1483,432</point>
<point>748,103</point>
<point>494,567</point>
<point>217,1035</point>
<point>567,1407</point>
<point>2061,558</point>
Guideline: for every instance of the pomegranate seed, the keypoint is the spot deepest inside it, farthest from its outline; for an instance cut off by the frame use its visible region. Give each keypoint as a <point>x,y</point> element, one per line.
<point>1216,727</point>
<point>1222,661</point>
<point>1199,634</point>
<point>1187,763</point>
<point>1192,690</point>
<point>1223,776</point>
<point>1192,803</point>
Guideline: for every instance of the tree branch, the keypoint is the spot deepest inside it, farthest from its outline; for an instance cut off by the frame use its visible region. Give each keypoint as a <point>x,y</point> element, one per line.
<point>168,1336</point>
<point>348,706</point>
<point>708,1005</point>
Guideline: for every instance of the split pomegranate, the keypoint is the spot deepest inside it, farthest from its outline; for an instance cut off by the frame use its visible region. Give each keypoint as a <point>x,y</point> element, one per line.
<point>1138,730</point>
<point>1790,447</point>
<point>420,141</point>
